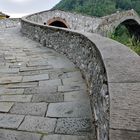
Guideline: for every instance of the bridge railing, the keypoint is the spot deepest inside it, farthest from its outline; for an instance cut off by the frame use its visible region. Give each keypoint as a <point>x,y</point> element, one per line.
<point>112,73</point>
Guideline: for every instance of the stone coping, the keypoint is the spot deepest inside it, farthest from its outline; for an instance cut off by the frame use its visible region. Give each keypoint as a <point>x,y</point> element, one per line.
<point>123,73</point>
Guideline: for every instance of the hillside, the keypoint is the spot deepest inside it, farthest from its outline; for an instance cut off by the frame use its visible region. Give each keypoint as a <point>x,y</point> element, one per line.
<point>98,7</point>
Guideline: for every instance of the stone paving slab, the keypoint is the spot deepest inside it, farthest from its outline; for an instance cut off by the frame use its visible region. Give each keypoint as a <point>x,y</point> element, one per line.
<point>71,87</point>
<point>5,106</point>
<point>4,91</point>
<point>55,82</point>
<point>41,90</point>
<point>66,137</point>
<point>35,78</point>
<point>22,69</point>
<point>49,98</point>
<point>10,79</point>
<point>76,96</point>
<point>16,98</point>
<point>38,124</point>
<point>10,121</point>
<point>69,109</point>
<point>36,109</point>
<point>18,135</point>
<point>22,85</point>
<point>71,126</point>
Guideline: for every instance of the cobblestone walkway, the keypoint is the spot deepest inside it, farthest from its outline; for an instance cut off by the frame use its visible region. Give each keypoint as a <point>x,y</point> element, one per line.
<point>42,94</point>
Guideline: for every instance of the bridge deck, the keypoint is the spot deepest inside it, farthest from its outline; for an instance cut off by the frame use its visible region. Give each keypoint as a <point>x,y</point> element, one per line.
<point>42,95</point>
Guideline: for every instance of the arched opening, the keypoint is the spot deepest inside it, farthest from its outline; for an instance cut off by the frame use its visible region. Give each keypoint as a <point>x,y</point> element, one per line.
<point>58,22</point>
<point>132,28</point>
<point>128,33</point>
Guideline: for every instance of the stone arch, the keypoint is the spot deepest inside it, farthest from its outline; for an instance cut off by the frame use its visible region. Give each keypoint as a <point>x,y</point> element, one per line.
<point>133,27</point>
<point>58,22</point>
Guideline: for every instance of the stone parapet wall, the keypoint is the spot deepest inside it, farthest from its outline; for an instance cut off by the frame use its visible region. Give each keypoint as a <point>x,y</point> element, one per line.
<point>9,22</point>
<point>112,72</point>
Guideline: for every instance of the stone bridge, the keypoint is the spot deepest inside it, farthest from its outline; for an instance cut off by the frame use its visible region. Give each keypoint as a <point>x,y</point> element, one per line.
<point>63,84</point>
<point>104,25</point>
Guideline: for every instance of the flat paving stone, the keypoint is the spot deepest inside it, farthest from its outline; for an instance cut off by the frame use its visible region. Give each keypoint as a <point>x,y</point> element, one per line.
<point>4,91</point>
<point>69,109</point>
<point>71,87</point>
<point>36,109</point>
<point>16,98</point>
<point>35,78</point>
<point>23,69</point>
<point>11,79</point>
<point>5,106</point>
<point>49,98</point>
<point>72,80</point>
<point>76,96</point>
<point>71,126</point>
<point>18,135</point>
<point>66,137</point>
<point>10,121</point>
<point>23,85</point>
<point>56,82</point>
<point>38,124</point>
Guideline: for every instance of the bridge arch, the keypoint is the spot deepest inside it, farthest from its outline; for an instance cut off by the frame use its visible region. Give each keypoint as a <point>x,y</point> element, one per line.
<point>133,27</point>
<point>58,22</point>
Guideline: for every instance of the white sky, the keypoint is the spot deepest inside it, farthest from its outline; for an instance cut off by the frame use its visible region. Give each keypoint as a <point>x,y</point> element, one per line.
<point>19,8</point>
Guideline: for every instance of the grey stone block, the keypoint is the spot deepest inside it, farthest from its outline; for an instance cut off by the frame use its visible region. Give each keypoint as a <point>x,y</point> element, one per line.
<point>18,135</point>
<point>10,79</point>
<point>65,137</point>
<point>35,78</point>
<point>38,124</point>
<point>16,98</point>
<point>5,106</point>
<point>36,109</point>
<point>11,91</point>
<point>76,96</point>
<point>56,82</point>
<point>77,126</point>
<point>69,109</point>
<point>71,87</point>
<point>49,98</point>
<point>10,121</point>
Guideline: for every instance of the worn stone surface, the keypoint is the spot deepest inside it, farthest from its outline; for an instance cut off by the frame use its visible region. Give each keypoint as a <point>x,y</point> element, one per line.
<point>126,114</point>
<point>18,135</point>
<point>66,137</point>
<point>38,124</point>
<point>5,106</point>
<point>76,96</point>
<point>78,126</point>
<point>72,87</point>
<point>4,91</point>
<point>56,82</point>
<point>124,135</point>
<point>10,121</point>
<point>69,109</point>
<point>49,98</point>
<point>36,109</point>
<point>35,78</point>
<point>16,98</point>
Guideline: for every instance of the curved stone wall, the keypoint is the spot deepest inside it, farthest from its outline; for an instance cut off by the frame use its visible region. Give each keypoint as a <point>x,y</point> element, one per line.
<point>112,72</point>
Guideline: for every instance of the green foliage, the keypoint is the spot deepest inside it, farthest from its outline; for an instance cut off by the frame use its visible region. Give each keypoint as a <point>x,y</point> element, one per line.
<point>98,7</point>
<point>122,35</point>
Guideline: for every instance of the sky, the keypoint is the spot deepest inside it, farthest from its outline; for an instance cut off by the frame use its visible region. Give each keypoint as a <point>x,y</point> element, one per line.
<point>19,8</point>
